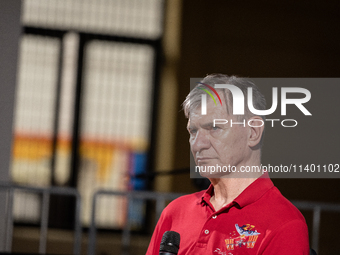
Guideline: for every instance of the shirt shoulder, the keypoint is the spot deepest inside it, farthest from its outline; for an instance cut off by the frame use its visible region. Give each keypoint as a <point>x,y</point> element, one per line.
<point>281,207</point>
<point>283,225</point>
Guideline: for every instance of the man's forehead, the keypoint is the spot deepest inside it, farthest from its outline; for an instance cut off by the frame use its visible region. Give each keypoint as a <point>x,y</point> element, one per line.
<point>213,112</point>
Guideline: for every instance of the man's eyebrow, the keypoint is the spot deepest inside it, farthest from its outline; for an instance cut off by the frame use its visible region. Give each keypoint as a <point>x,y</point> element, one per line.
<point>207,125</point>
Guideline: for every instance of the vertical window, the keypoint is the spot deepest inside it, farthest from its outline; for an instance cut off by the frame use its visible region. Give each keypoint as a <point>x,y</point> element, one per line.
<point>85,95</point>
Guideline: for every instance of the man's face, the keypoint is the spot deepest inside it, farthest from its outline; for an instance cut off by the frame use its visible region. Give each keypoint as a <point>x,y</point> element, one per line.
<point>223,145</point>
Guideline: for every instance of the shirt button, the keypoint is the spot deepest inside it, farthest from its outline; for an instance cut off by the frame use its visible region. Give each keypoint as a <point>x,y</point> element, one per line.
<point>206,231</point>
<point>214,217</point>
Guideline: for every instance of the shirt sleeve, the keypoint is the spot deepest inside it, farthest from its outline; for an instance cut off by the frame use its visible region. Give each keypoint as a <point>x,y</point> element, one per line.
<point>291,238</point>
<point>163,224</point>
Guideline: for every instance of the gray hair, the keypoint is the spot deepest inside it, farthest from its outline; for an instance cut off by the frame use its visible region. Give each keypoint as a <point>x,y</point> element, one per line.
<point>193,100</point>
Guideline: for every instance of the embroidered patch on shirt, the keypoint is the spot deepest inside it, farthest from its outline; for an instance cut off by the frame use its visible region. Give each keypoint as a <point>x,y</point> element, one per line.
<point>245,236</point>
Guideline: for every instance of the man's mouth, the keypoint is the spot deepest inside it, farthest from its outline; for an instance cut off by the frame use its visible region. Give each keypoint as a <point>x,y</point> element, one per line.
<point>202,159</point>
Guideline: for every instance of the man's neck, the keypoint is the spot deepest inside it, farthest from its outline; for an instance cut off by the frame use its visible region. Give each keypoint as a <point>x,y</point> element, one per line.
<point>227,189</point>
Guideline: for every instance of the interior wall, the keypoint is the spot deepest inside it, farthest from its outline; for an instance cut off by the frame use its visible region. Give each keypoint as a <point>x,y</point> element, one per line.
<point>168,96</point>
<point>257,39</point>
<point>9,37</point>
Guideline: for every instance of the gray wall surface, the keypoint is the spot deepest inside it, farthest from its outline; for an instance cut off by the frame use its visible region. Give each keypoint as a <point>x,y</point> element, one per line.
<point>10,29</point>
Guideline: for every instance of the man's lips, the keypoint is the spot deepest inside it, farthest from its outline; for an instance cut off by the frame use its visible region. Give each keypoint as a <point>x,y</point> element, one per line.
<point>203,158</point>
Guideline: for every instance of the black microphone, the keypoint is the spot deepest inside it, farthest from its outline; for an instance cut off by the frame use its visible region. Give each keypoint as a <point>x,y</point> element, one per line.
<point>170,243</point>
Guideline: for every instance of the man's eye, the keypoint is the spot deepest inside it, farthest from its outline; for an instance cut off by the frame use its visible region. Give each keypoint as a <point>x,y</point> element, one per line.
<point>192,131</point>
<point>215,128</point>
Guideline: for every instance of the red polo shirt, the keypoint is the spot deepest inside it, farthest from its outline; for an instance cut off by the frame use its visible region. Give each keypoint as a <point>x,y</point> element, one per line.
<point>259,221</point>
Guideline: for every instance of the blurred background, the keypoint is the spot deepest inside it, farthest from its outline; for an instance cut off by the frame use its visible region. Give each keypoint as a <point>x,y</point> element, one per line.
<point>91,95</point>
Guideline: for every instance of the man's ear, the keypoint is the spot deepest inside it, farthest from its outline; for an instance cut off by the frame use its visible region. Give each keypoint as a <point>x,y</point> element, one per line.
<point>256,127</point>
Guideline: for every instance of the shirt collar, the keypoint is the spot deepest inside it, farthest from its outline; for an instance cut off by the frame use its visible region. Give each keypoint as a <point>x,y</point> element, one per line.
<point>252,193</point>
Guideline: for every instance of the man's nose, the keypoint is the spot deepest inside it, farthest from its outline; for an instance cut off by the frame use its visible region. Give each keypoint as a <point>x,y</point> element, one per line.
<point>201,141</point>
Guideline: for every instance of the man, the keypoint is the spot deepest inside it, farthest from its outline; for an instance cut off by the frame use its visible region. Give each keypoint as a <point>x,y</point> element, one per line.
<point>241,212</point>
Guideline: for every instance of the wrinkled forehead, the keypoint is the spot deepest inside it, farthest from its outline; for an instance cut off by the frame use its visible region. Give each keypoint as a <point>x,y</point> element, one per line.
<point>214,110</point>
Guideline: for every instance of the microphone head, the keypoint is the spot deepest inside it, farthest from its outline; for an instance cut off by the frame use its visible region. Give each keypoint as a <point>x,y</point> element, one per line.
<point>170,242</point>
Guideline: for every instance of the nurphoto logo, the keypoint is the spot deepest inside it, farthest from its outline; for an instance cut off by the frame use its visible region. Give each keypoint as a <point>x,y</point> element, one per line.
<point>238,103</point>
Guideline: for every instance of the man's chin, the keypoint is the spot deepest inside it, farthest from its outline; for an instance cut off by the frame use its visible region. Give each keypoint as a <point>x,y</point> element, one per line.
<point>214,175</point>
